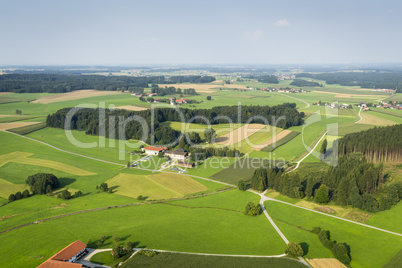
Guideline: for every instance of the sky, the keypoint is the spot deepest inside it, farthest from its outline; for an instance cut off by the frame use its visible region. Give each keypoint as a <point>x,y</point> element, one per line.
<point>98,32</point>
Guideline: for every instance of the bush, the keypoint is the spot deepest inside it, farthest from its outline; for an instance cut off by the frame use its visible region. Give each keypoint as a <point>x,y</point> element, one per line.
<point>18,196</point>
<point>65,194</point>
<point>252,209</point>
<point>11,198</point>
<point>148,253</point>
<point>294,249</point>
<point>241,185</point>
<point>25,194</point>
<point>316,230</point>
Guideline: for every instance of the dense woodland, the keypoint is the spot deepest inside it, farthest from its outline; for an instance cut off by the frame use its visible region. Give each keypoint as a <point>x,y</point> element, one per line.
<point>354,181</point>
<point>304,83</point>
<point>390,80</point>
<point>267,79</point>
<point>379,144</point>
<point>88,120</point>
<point>56,83</point>
<point>172,90</point>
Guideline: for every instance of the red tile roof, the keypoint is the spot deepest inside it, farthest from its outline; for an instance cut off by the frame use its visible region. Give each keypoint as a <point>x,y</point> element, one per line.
<point>60,259</point>
<point>154,148</point>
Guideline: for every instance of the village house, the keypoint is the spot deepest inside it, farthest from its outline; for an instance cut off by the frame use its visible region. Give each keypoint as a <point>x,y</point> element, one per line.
<point>181,101</point>
<point>67,256</point>
<point>177,154</point>
<point>153,150</point>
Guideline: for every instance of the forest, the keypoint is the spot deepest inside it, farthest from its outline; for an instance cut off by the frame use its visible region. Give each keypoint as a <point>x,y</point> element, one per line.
<point>172,90</point>
<point>87,120</point>
<point>304,83</point>
<point>379,144</point>
<point>354,181</point>
<point>391,80</point>
<point>267,79</point>
<point>57,83</point>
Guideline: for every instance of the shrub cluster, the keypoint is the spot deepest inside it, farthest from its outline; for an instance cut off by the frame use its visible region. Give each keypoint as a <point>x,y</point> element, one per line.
<point>340,251</point>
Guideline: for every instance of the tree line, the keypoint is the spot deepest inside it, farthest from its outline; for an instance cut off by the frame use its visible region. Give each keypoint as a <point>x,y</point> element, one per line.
<point>390,80</point>
<point>304,83</point>
<point>58,83</point>
<point>172,90</point>
<point>87,120</point>
<point>379,144</point>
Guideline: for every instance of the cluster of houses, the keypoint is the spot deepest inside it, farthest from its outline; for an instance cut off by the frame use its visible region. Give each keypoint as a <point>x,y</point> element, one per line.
<point>285,77</point>
<point>334,105</point>
<point>178,154</point>
<point>389,105</point>
<point>383,90</point>
<point>144,94</point>
<point>67,257</point>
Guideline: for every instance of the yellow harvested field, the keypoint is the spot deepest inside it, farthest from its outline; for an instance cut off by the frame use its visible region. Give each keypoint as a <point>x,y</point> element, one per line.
<point>279,136</point>
<point>74,95</point>
<point>4,93</point>
<point>7,188</point>
<point>24,158</point>
<point>370,119</point>
<point>132,108</point>
<point>157,186</point>
<point>239,134</point>
<point>6,126</point>
<point>326,263</point>
<point>346,96</point>
<point>203,88</point>
<point>10,115</point>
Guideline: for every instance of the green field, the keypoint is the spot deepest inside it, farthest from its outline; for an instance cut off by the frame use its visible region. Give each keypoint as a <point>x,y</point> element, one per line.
<point>280,142</point>
<point>156,186</point>
<point>153,226</point>
<point>28,129</point>
<point>221,129</point>
<point>241,169</point>
<point>184,260</point>
<point>369,248</point>
<point>387,219</point>
<point>395,261</point>
<point>210,166</point>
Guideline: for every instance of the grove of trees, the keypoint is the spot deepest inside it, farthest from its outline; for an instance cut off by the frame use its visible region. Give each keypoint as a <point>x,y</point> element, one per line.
<point>42,183</point>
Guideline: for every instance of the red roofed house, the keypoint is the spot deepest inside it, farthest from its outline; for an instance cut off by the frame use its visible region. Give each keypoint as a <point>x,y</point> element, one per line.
<point>153,150</point>
<point>181,101</point>
<point>66,257</point>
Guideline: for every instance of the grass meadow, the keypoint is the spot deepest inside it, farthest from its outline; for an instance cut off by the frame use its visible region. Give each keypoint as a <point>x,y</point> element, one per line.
<point>160,226</point>
<point>369,248</point>
<point>172,260</point>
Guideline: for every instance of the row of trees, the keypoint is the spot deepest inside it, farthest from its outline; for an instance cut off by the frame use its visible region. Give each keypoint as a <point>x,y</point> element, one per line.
<point>198,153</point>
<point>379,144</point>
<point>18,195</point>
<point>364,80</point>
<point>340,250</point>
<point>191,79</point>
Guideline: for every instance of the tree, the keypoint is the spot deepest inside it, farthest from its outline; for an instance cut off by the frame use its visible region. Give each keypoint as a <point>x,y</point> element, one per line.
<point>78,193</point>
<point>355,199</point>
<point>18,195</point>
<point>209,135</point>
<point>321,194</point>
<point>341,253</point>
<point>209,98</point>
<point>11,198</point>
<point>65,194</point>
<point>39,182</point>
<point>252,209</point>
<point>294,249</point>
<point>103,187</point>
<point>241,185</point>
<point>323,149</point>
<point>18,112</point>
<point>49,189</point>
<point>25,194</point>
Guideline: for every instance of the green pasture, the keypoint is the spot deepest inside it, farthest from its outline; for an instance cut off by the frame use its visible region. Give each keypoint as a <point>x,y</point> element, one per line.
<point>388,219</point>
<point>172,260</point>
<point>210,166</point>
<point>160,226</point>
<point>369,248</point>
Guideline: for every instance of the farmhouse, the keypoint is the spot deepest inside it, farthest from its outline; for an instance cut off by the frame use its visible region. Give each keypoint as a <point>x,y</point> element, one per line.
<point>153,150</point>
<point>177,154</point>
<point>67,256</point>
<point>185,164</point>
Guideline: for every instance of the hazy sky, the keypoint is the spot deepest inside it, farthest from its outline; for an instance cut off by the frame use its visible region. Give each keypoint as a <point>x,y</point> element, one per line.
<point>57,32</point>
